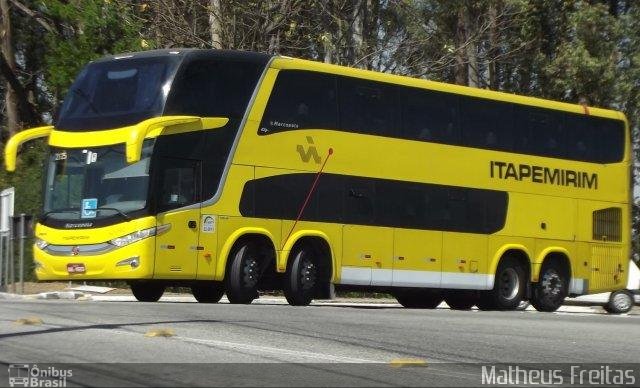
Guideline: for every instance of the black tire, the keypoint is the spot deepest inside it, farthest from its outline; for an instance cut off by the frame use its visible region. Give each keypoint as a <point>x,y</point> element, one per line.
<point>419,299</point>
<point>620,302</point>
<point>461,300</point>
<point>207,292</point>
<point>147,291</point>
<point>243,274</point>
<point>301,279</point>
<point>549,292</point>
<point>508,289</point>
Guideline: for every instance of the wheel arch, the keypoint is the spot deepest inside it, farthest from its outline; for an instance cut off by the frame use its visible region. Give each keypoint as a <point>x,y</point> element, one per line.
<point>558,254</point>
<point>240,235</point>
<point>515,250</point>
<point>315,237</point>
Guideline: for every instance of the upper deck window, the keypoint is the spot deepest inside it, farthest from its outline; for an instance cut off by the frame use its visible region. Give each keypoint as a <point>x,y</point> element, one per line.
<point>213,88</point>
<point>116,93</point>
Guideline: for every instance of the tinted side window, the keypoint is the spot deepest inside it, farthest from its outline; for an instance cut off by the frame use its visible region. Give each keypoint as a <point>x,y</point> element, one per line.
<point>360,201</point>
<point>211,88</point>
<point>609,137</point>
<point>178,183</point>
<point>430,116</point>
<point>580,138</point>
<point>301,100</point>
<point>381,202</point>
<point>367,107</point>
<point>486,124</point>
<point>540,132</point>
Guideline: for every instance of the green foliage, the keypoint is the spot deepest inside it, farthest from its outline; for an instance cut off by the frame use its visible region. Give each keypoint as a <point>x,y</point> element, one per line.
<point>27,179</point>
<point>91,29</point>
<point>586,66</point>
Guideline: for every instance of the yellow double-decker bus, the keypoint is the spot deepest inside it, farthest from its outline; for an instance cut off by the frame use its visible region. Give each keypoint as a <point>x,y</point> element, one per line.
<point>238,172</point>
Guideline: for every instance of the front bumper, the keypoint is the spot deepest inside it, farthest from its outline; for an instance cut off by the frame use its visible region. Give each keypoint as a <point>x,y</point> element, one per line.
<point>98,265</point>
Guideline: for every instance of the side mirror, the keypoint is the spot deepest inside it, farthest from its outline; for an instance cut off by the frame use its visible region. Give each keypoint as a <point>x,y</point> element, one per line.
<point>11,149</point>
<point>167,125</point>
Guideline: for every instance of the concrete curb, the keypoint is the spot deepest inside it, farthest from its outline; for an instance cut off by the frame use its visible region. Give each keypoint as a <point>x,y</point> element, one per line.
<point>69,295</point>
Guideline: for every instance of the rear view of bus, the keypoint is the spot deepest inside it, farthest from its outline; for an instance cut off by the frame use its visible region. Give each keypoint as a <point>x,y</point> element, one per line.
<point>133,139</point>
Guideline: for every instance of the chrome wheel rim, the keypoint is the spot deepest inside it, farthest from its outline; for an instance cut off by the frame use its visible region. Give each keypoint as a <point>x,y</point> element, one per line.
<point>509,284</point>
<point>621,301</point>
<point>250,272</point>
<point>552,285</point>
<point>308,274</point>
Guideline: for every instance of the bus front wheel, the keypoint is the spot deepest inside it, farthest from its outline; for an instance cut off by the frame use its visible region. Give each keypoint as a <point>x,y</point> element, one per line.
<point>209,292</point>
<point>549,293</point>
<point>302,277</point>
<point>241,282</point>
<point>147,291</point>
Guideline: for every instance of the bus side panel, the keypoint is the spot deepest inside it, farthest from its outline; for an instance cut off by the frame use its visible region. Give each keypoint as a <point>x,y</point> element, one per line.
<point>464,261</point>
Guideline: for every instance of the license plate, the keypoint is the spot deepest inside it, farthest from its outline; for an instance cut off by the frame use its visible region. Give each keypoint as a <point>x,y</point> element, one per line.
<point>76,268</point>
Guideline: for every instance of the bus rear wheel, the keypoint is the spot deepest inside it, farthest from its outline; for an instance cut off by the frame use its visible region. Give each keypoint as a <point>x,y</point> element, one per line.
<point>419,299</point>
<point>241,282</point>
<point>147,291</point>
<point>508,289</point>
<point>461,300</point>
<point>549,293</point>
<point>207,292</point>
<point>302,277</point>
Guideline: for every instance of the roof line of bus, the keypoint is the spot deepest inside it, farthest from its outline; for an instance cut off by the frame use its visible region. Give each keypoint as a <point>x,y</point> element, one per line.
<point>283,62</point>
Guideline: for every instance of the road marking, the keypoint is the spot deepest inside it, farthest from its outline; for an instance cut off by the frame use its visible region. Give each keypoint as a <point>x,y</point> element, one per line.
<point>402,362</point>
<point>160,333</point>
<point>278,351</point>
<point>29,321</point>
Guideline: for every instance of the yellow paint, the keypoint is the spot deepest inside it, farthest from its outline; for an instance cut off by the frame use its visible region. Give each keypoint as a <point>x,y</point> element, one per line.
<point>407,362</point>
<point>160,333</point>
<point>11,149</point>
<point>29,321</point>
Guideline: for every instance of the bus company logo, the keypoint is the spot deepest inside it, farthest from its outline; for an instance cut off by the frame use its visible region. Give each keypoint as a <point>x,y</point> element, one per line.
<point>25,375</point>
<point>544,175</point>
<point>308,153</point>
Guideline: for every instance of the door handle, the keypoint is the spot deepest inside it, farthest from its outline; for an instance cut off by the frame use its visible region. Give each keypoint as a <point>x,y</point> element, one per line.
<point>192,224</point>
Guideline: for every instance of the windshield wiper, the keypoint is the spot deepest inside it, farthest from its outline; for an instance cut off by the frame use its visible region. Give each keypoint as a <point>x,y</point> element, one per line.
<point>85,96</point>
<point>120,212</point>
<point>46,215</point>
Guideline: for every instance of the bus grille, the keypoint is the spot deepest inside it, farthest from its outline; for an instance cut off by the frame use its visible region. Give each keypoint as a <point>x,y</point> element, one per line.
<point>607,224</point>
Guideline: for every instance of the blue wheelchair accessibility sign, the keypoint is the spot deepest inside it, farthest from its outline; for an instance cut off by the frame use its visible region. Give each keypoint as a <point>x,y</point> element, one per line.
<point>89,206</point>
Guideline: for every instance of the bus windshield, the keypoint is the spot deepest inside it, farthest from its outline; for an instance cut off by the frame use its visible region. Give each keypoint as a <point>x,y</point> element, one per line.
<point>93,183</point>
<point>117,93</point>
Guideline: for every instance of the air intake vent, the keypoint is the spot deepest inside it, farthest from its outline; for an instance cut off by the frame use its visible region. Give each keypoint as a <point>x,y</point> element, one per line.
<point>607,224</point>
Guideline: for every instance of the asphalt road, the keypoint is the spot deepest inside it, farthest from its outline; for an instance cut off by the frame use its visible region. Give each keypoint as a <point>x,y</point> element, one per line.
<point>322,345</point>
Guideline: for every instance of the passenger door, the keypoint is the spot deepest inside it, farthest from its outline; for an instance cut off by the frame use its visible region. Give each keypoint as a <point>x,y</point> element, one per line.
<point>178,188</point>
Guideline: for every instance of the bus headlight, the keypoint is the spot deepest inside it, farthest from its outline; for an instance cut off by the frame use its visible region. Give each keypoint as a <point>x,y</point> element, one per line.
<point>133,237</point>
<point>41,244</point>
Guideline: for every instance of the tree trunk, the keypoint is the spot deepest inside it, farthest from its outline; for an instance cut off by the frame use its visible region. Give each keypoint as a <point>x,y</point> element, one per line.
<point>493,46</point>
<point>471,44</point>
<point>214,24</point>
<point>461,68</point>
<point>10,98</point>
